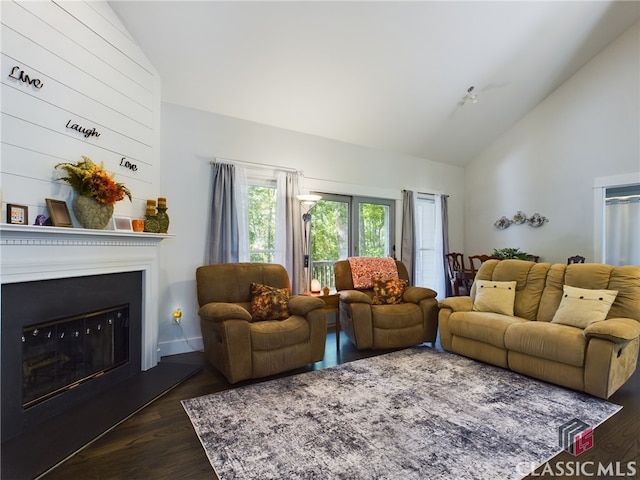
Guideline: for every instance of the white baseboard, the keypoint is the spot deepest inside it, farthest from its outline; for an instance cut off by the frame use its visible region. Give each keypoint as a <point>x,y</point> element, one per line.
<point>182,345</point>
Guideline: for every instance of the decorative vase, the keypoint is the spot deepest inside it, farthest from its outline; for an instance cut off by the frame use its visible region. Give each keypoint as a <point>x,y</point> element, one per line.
<point>151,223</point>
<point>163,220</point>
<point>91,213</point>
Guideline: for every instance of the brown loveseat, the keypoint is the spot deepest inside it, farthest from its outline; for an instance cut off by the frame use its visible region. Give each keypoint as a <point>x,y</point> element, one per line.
<point>596,358</point>
<point>412,322</point>
<point>240,347</point>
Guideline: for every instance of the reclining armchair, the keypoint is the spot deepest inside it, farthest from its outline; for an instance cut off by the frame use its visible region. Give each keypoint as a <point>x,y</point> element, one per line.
<point>239,339</point>
<point>413,320</point>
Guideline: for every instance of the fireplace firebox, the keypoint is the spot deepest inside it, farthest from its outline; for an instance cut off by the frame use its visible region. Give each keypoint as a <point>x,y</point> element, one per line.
<point>60,355</point>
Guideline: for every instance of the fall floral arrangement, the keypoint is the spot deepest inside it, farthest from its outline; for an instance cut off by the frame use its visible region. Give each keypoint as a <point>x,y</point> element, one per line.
<point>91,180</point>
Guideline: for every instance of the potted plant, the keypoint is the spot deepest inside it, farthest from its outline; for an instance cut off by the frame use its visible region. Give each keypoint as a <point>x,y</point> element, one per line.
<point>505,253</point>
<point>97,192</point>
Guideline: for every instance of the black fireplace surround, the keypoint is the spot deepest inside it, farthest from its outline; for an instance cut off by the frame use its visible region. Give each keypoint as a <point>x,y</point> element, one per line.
<point>83,333</point>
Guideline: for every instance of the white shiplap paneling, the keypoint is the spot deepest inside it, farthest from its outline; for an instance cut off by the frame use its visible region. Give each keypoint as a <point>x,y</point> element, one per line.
<point>85,106</point>
<point>30,55</point>
<point>55,117</point>
<point>81,47</point>
<point>94,75</point>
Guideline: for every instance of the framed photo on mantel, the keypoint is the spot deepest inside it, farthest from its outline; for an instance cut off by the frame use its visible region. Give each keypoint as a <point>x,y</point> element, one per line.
<point>122,224</point>
<point>17,214</point>
<point>59,213</point>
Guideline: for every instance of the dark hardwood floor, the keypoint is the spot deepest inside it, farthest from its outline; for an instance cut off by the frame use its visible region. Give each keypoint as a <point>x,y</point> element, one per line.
<point>159,442</point>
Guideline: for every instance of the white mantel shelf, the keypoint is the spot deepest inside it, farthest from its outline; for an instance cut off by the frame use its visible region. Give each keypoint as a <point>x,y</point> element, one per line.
<point>43,235</point>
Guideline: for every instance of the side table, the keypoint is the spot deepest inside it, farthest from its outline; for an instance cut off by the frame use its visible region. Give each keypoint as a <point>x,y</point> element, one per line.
<point>331,305</point>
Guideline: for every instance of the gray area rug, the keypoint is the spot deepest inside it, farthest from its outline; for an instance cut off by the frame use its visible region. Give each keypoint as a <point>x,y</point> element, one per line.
<point>418,413</point>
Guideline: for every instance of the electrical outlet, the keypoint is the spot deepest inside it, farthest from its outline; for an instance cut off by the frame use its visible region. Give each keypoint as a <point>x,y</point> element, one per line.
<point>177,316</point>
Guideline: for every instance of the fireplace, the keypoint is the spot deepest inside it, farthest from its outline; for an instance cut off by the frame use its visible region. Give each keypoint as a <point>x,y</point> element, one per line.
<point>64,341</point>
<point>69,280</point>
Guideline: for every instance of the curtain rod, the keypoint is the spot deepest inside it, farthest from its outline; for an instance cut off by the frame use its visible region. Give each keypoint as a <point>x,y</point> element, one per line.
<point>254,164</point>
<point>427,193</point>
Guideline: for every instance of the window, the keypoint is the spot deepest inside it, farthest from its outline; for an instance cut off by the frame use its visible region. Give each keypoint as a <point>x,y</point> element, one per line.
<point>345,226</point>
<point>262,223</point>
<point>374,228</point>
<point>425,217</point>
<point>428,268</point>
<point>622,222</point>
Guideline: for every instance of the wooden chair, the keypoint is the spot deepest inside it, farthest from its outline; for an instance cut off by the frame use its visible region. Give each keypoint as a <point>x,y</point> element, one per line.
<point>575,259</point>
<point>479,259</point>
<point>459,276</point>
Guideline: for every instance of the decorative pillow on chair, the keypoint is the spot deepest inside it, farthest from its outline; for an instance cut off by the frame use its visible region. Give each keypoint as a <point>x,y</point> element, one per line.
<point>387,291</point>
<point>496,297</point>
<point>269,303</point>
<point>581,307</point>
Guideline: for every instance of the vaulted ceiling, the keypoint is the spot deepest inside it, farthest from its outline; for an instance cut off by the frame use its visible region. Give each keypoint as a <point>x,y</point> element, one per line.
<point>386,75</point>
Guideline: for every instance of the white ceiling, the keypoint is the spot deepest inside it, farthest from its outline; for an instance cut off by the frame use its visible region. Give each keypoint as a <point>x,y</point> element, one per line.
<point>386,75</point>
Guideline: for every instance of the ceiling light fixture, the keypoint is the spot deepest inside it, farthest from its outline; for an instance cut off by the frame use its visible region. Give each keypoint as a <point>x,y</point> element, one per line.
<point>470,96</point>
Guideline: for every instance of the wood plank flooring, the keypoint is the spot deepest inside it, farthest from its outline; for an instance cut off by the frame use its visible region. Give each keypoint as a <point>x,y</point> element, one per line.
<point>159,442</point>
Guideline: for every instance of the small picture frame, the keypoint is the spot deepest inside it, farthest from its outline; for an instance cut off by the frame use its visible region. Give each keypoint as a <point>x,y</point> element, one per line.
<point>122,224</point>
<point>17,214</point>
<point>59,213</point>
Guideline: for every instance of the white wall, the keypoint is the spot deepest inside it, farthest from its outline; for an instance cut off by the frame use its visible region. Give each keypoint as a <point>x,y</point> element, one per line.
<point>91,74</point>
<point>192,138</point>
<point>547,162</point>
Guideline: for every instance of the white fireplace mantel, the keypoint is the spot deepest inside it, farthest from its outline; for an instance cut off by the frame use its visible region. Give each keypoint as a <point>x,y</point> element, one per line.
<point>32,253</point>
<point>35,234</point>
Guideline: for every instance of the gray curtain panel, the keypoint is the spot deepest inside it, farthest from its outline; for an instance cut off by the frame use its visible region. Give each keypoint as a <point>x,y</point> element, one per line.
<point>293,256</point>
<point>223,235</point>
<point>407,254</point>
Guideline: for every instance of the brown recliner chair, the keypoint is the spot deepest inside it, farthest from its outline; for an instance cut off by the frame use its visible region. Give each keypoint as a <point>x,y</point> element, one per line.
<point>240,347</point>
<point>412,322</point>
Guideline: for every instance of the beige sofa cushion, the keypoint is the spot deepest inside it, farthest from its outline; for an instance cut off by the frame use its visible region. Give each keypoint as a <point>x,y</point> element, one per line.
<point>530,278</point>
<point>552,293</point>
<point>580,307</point>
<point>626,280</point>
<point>559,343</point>
<point>496,297</point>
<point>485,327</point>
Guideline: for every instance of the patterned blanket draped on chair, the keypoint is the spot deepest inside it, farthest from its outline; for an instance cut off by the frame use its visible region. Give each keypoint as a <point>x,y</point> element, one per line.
<point>364,268</point>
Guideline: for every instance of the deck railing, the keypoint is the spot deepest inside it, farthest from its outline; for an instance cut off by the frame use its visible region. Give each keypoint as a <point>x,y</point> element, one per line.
<point>323,271</point>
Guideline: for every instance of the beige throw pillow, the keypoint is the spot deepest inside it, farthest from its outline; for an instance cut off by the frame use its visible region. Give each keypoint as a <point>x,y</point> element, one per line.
<point>581,307</point>
<point>496,297</point>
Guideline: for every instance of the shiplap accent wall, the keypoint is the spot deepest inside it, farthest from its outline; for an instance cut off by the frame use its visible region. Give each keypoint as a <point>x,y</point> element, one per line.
<point>93,75</point>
